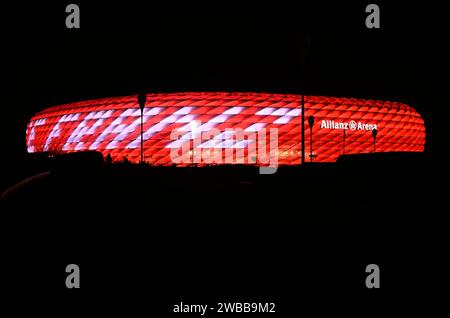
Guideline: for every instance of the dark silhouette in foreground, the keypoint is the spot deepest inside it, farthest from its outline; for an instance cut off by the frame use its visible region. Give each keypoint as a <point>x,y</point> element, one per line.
<point>227,229</point>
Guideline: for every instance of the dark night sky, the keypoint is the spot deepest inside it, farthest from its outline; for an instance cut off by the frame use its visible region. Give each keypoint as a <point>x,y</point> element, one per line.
<point>313,47</point>
<point>313,234</point>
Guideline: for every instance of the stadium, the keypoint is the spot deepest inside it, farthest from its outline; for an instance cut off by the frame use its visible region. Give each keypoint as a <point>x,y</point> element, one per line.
<point>229,124</point>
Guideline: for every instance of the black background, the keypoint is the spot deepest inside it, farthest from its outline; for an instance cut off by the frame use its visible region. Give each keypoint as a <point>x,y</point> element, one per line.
<point>314,47</point>
<point>311,47</point>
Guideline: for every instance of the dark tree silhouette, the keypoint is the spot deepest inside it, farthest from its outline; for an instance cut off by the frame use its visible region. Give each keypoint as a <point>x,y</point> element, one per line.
<point>108,159</point>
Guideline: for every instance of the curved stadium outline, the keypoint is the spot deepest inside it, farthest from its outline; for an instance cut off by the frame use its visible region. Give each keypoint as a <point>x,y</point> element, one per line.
<point>112,126</point>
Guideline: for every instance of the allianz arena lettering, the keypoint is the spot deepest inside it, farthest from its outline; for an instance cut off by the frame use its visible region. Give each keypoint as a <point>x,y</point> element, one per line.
<point>352,125</point>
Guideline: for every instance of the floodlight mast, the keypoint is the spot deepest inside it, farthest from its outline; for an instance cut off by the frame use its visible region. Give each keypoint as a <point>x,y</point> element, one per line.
<point>142,98</point>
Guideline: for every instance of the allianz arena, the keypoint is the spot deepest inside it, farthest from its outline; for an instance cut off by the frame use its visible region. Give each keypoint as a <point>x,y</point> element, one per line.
<point>113,126</point>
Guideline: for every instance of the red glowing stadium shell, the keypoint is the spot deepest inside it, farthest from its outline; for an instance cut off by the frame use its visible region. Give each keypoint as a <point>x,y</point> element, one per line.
<point>112,125</point>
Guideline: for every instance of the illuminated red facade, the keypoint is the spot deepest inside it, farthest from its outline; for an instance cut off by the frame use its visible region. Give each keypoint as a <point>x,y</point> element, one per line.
<point>112,126</point>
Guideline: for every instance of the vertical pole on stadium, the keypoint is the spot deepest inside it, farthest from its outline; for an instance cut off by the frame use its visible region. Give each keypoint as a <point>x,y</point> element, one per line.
<point>142,98</point>
<point>303,128</point>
